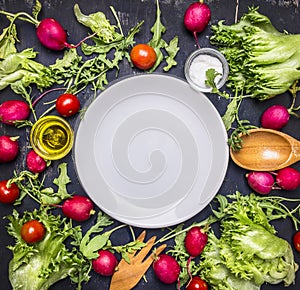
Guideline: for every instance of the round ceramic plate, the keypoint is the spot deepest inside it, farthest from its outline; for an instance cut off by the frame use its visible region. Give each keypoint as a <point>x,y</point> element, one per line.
<point>150,151</point>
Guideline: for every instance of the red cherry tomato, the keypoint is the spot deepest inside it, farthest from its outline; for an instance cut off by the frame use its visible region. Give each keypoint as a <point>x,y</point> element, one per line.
<point>197,283</point>
<point>67,105</point>
<point>8,194</point>
<point>32,231</point>
<point>296,241</point>
<point>143,56</point>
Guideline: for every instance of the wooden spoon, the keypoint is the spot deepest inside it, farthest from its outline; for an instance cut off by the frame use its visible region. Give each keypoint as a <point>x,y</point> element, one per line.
<point>266,150</point>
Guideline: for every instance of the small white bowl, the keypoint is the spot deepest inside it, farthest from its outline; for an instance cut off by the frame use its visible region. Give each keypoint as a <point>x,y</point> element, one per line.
<point>199,62</point>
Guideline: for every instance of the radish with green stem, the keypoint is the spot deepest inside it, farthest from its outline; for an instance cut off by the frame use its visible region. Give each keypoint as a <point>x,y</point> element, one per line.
<point>105,264</point>
<point>51,34</point>
<point>78,208</point>
<point>14,110</point>
<point>194,242</point>
<point>49,31</point>
<point>196,18</point>
<point>35,163</point>
<point>166,269</point>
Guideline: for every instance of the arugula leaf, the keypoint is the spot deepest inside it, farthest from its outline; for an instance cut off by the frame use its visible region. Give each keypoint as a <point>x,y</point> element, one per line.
<point>230,115</point>
<point>62,181</point>
<point>158,43</point>
<point>211,75</point>
<point>172,50</point>
<point>89,246</point>
<point>8,40</point>
<point>30,184</point>
<point>92,242</point>
<point>128,248</point>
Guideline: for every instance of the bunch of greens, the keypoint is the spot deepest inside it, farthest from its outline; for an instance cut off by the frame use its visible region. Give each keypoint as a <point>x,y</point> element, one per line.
<point>32,185</point>
<point>20,70</point>
<point>247,252</point>
<point>38,266</point>
<point>263,61</point>
<point>158,43</point>
<point>65,251</point>
<point>110,46</point>
<point>92,241</point>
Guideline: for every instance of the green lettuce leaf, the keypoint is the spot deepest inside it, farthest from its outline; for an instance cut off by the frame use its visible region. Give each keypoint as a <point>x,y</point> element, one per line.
<point>40,265</point>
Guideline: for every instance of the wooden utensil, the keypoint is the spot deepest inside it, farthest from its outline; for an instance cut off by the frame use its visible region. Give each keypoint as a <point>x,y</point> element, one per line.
<point>266,150</point>
<point>128,275</point>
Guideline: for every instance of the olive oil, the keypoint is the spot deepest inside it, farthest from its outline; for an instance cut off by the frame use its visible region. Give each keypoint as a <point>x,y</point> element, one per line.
<point>52,137</point>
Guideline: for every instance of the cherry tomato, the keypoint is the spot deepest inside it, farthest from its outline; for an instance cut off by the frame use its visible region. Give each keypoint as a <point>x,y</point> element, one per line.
<point>143,56</point>
<point>296,241</point>
<point>32,231</point>
<point>8,194</point>
<point>67,105</point>
<point>197,283</point>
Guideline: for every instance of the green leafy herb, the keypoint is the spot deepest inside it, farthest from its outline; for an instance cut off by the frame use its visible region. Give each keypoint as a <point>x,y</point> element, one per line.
<point>30,184</point>
<point>128,248</point>
<point>158,43</point>
<point>231,115</point>
<point>89,245</point>
<point>92,241</point>
<point>8,40</point>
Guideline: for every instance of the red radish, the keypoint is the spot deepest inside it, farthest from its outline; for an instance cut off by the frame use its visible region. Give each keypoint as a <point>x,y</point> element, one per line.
<point>275,117</point>
<point>195,241</point>
<point>78,208</point>
<point>260,182</point>
<point>14,110</point>
<point>196,18</point>
<point>35,163</point>
<point>288,178</point>
<point>105,264</point>
<point>52,35</point>
<point>9,148</point>
<point>166,269</point>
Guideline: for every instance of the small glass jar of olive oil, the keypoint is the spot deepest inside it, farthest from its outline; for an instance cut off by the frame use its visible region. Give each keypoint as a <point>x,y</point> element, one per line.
<point>52,137</point>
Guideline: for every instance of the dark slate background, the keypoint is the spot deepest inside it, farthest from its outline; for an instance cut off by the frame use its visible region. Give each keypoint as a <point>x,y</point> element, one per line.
<point>284,15</point>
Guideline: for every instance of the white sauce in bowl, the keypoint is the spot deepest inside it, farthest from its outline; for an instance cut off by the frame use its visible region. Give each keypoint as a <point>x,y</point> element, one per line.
<point>200,65</point>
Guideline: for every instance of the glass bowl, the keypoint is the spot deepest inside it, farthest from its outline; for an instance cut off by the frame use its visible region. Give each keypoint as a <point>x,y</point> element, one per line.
<point>199,62</point>
<point>51,137</point>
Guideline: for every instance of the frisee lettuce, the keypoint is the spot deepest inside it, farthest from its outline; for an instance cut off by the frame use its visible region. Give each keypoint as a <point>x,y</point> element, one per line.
<point>38,266</point>
<point>247,253</point>
<point>263,62</point>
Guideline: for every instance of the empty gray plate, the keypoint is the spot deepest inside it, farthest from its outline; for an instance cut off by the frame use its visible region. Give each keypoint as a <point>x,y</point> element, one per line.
<point>150,151</point>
